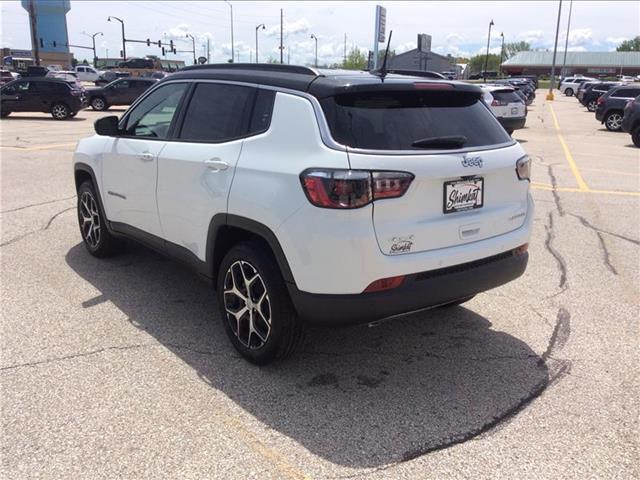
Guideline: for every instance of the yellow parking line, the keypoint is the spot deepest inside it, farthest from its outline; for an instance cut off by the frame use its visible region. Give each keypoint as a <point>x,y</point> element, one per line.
<point>567,153</point>
<point>40,147</point>
<point>543,186</point>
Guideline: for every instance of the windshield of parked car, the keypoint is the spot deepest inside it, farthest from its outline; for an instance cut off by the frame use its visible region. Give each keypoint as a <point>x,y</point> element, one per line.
<point>397,120</point>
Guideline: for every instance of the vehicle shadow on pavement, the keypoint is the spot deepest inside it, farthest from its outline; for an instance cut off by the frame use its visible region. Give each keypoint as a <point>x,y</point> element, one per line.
<point>359,396</point>
<point>71,119</point>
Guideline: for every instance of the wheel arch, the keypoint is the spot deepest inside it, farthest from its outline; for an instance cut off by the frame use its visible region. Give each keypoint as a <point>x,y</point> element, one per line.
<point>226,230</point>
<point>83,172</point>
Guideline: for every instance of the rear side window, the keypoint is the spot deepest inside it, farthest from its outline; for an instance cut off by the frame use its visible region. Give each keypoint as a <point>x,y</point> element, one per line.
<point>396,120</point>
<point>626,93</point>
<point>262,110</point>
<point>217,113</point>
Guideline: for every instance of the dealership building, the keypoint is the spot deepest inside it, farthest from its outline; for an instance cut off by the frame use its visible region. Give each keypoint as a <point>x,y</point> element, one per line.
<point>584,63</point>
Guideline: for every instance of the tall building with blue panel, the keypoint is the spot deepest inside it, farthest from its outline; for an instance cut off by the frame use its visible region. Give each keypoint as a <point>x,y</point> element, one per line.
<point>49,30</point>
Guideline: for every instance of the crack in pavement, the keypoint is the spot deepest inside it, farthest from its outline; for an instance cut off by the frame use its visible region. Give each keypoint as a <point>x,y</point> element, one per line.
<point>554,191</point>
<point>37,204</point>
<point>46,227</point>
<point>587,224</point>
<point>98,351</point>
<point>562,265</point>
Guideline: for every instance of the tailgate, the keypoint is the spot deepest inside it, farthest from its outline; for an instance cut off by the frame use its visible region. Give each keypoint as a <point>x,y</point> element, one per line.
<point>479,191</point>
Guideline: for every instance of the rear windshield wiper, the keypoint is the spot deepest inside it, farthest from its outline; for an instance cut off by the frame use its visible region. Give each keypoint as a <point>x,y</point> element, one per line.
<point>446,142</point>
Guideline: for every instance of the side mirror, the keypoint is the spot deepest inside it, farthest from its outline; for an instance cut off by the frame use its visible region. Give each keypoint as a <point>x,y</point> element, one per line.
<point>107,126</point>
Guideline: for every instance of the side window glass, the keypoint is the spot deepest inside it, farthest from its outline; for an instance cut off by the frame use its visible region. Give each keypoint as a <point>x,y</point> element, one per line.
<point>217,112</point>
<point>262,110</point>
<point>22,87</point>
<point>152,117</point>
<point>123,84</point>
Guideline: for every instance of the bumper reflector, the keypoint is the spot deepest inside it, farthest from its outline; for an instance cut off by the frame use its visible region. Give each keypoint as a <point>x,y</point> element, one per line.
<point>521,250</point>
<point>384,284</point>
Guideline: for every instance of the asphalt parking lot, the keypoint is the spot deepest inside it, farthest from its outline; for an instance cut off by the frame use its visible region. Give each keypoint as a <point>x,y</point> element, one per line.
<point>121,368</point>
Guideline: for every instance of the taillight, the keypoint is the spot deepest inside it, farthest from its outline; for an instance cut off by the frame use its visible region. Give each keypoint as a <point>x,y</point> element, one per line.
<point>498,103</point>
<point>600,100</point>
<point>523,168</point>
<point>433,86</point>
<point>336,188</point>
<point>384,284</point>
<point>629,105</point>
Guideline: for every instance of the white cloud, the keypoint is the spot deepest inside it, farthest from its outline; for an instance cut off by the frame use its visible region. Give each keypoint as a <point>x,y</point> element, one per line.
<point>454,39</point>
<point>404,47</point>
<point>616,40</point>
<point>301,25</point>
<point>532,36</point>
<point>580,37</point>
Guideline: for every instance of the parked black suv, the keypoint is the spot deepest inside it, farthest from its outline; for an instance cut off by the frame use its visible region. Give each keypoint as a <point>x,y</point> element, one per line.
<point>122,91</point>
<point>589,97</point>
<point>137,63</point>
<point>58,97</point>
<point>610,109</point>
<point>631,120</point>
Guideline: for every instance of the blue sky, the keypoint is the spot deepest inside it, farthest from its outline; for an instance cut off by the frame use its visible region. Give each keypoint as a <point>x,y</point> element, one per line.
<point>459,28</point>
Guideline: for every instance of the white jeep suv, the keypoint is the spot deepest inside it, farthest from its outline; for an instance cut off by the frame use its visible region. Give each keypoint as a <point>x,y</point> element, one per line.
<point>311,197</point>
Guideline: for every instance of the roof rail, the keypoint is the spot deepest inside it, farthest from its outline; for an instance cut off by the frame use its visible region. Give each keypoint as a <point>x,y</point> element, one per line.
<point>256,67</point>
<point>413,73</point>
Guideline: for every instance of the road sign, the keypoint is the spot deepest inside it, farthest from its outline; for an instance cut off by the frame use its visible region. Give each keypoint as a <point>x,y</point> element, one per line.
<point>381,23</point>
<point>424,43</point>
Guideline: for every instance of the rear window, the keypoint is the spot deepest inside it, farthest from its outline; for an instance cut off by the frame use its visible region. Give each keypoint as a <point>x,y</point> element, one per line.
<point>507,96</point>
<point>395,120</point>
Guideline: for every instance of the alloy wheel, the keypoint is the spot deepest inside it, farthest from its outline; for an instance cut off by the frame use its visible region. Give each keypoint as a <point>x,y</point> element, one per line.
<point>90,219</point>
<point>59,111</point>
<point>614,121</point>
<point>592,105</point>
<point>247,305</point>
<point>97,104</point>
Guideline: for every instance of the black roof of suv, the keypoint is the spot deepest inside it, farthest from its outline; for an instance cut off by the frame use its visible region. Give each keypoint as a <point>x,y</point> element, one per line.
<point>319,83</point>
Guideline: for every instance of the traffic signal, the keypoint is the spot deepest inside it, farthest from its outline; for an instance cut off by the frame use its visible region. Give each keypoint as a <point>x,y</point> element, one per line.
<point>55,43</point>
<point>163,52</point>
<point>148,42</point>
<point>174,50</point>
<point>171,45</point>
<point>159,43</point>
<point>41,43</point>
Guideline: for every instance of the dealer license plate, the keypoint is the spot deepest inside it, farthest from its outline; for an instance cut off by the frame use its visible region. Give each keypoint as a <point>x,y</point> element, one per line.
<point>462,195</point>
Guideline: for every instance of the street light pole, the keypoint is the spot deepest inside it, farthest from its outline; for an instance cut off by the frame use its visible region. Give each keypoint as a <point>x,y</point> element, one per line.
<point>258,28</point>
<point>566,42</point>
<point>232,48</point>
<point>316,39</point>
<point>501,52</point>
<point>124,46</point>
<point>486,60</point>
<point>93,40</point>
<point>555,51</point>
<point>193,47</point>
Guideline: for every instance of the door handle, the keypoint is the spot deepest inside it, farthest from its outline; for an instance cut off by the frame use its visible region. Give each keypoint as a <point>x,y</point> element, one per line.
<point>146,156</point>
<point>216,164</point>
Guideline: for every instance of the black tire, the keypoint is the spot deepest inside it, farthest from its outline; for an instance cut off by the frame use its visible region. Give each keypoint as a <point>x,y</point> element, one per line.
<point>613,121</point>
<point>569,92</point>
<point>73,114</point>
<point>256,340</point>
<point>99,243</point>
<point>635,135</point>
<point>4,114</point>
<point>456,302</point>
<point>60,111</point>
<point>592,105</point>
<point>510,131</point>
<point>99,104</point>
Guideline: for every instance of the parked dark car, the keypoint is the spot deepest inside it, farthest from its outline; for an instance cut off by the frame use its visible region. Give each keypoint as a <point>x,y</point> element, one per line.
<point>122,91</point>
<point>109,76</point>
<point>583,87</point>
<point>631,120</point>
<point>610,109</point>
<point>137,63</point>
<point>589,97</point>
<point>58,97</point>
<point>532,78</point>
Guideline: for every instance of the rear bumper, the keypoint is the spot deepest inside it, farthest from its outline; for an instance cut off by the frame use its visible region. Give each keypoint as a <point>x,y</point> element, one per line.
<point>512,123</point>
<point>627,122</point>
<point>418,291</point>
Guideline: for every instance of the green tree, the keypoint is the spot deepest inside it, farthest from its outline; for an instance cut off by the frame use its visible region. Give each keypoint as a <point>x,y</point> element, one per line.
<point>632,45</point>
<point>356,60</point>
<point>476,63</point>
<point>510,49</point>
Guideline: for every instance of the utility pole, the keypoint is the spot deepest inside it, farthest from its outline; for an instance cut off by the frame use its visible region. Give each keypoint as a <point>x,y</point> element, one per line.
<point>193,47</point>
<point>93,40</point>
<point>501,52</point>
<point>555,51</point>
<point>281,35</point>
<point>124,46</point>
<point>34,31</point>
<point>258,28</point>
<point>288,55</point>
<point>566,42</point>
<point>316,39</point>
<point>232,48</point>
<point>208,50</point>
<point>344,60</point>
<point>486,59</point>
